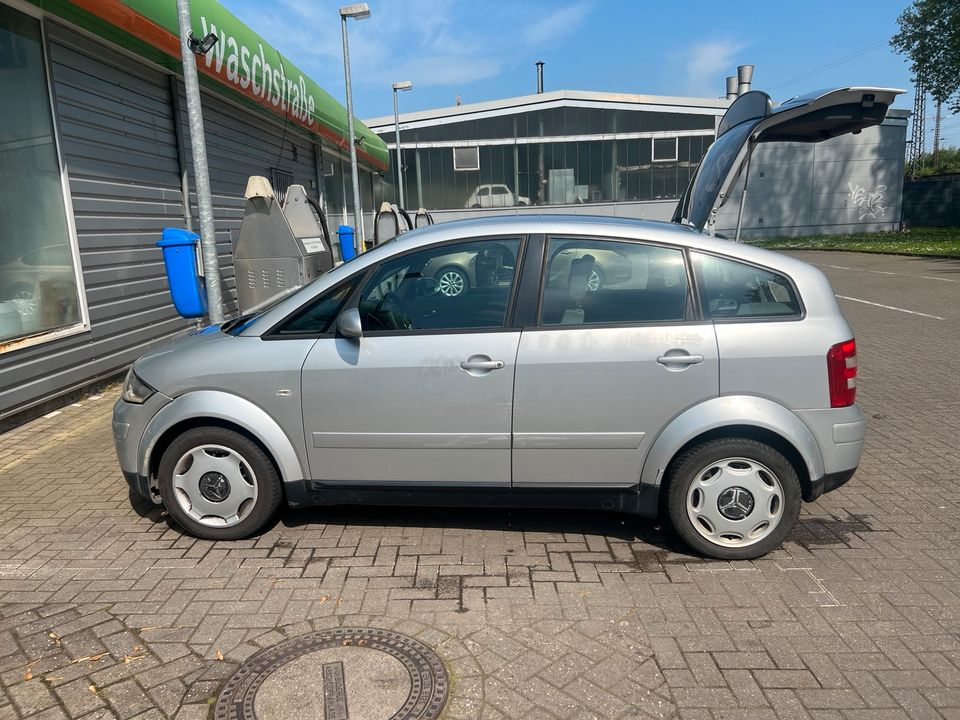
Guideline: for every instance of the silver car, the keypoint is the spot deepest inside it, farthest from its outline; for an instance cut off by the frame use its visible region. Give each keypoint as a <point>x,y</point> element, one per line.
<point>713,384</point>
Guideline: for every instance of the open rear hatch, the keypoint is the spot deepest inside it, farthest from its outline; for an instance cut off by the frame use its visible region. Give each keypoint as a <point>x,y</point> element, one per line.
<point>752,120</point>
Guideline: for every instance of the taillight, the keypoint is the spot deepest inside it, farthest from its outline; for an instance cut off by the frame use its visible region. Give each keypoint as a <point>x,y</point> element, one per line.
<point>842,373</point>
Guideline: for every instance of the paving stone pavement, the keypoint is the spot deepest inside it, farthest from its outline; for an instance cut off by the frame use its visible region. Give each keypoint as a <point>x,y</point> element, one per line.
<point>107,611</point>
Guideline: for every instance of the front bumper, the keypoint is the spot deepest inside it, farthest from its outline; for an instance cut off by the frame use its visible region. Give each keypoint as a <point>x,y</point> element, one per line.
<point>129,422</point>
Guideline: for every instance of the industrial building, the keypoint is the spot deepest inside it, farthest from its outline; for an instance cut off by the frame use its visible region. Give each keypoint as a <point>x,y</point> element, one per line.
<point>632,156</point>
<point>95,161</point>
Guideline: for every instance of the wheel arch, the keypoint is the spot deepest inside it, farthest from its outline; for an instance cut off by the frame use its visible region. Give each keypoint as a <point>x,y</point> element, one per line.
<point>737,416</point>
<point>219,409</point>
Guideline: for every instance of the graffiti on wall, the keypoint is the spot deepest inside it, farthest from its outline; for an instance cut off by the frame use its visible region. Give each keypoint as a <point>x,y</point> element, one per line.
<point>870,203</point>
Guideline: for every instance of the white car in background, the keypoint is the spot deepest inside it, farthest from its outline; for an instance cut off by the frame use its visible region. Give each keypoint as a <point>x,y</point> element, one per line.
<point>495,195</point>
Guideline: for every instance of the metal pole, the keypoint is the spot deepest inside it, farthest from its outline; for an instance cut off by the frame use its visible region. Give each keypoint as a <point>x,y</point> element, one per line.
<point>743,195</point>
<point>208,238</point>
<point>396,125</point>
<point>359,235</point>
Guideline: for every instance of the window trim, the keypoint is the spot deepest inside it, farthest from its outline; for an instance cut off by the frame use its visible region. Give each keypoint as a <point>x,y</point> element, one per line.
<point>476,152</point>
<point>701,288</point>
<point>354,300</point>
<point>49,335</point>
<point>691,311</point>
<point>653,150</point>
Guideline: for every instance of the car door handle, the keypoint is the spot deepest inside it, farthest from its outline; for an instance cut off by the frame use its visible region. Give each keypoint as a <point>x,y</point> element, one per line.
<point>680,359</point>
<point>481,364</point>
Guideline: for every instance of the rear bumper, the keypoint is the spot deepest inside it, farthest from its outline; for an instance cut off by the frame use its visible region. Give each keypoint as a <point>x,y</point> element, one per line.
<point>840,434</point>
<point>828,483</point>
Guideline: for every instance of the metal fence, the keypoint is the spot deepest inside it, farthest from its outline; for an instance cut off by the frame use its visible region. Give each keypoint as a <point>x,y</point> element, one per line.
<point>932,201</point>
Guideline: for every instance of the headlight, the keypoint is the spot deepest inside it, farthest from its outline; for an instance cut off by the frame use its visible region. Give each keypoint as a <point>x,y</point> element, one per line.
<point>136,390</point>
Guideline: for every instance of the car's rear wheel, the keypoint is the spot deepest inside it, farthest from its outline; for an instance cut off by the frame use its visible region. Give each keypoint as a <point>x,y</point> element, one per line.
<point>218,484</point>
<point>733,499</point>
<point>452,281</point>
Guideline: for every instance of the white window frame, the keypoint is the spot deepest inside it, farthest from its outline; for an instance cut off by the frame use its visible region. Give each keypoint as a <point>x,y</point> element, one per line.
<point>45,336</point>
<point>476,152</point>
<point>653,147</point>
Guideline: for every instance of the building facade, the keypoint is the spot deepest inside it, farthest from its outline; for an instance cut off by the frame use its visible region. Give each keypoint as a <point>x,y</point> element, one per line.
<point>95,161</point>
<point>632,156</point>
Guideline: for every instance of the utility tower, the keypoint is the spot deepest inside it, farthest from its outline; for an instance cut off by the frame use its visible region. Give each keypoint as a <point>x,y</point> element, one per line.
<point>917,144</point>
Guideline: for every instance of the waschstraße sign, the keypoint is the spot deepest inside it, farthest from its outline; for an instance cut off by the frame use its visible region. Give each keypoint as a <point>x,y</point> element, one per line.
<point>241,60</point>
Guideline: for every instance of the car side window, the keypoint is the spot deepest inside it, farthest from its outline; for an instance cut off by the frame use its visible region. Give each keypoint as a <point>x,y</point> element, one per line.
<point>484,191</point>
<point>591,282</point>
<point>731,289</point>
<point>315,317</point>
<point>447,287</point>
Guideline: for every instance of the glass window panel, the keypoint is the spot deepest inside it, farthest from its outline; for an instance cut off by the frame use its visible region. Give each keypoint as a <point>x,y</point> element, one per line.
<point>317,316</point>
<point>592,282</point>
<point>448,287</point>
<point>38,285</point>
<point>734,289</point>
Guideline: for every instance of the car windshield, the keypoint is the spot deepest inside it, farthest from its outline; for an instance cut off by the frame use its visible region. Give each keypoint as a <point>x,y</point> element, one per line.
<point>238,324</point>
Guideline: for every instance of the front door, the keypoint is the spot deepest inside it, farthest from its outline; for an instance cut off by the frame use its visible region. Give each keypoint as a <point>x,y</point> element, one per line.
<point>616,355</point>
<point>425,396</point>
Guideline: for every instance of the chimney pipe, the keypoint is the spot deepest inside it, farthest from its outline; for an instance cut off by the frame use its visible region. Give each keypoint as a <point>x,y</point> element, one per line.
<point>732,87</point>
<point>744,78</point>
<point>540,77</point>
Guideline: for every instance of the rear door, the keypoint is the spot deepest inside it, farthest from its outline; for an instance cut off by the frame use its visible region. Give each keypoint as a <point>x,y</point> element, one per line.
<point>752,119</point>
<point>605,368</point>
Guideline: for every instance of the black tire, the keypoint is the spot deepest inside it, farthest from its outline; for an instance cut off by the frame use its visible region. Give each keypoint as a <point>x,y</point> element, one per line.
<point>454,269</point>
<point>268,485</point>
<point>688,467</point>
<point>474,206</point>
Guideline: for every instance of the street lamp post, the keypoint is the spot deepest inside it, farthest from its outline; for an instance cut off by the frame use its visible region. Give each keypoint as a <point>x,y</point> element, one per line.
<point>357,11</point>
<point>397,86</point>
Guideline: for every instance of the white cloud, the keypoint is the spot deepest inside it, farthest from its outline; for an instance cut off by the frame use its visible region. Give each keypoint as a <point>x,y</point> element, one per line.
<point>557,24</point>
<point>707,64</point>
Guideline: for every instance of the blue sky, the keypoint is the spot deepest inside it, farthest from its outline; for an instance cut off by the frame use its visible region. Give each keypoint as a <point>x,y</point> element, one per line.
<point>486,50</point>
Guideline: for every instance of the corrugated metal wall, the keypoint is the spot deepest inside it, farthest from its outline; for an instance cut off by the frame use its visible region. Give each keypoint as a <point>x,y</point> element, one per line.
<point>118,139</point>
<point>240,145</point>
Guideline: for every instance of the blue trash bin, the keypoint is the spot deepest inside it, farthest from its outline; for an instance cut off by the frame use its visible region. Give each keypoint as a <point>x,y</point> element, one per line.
<point>347,250</point>
<point>180,258</point>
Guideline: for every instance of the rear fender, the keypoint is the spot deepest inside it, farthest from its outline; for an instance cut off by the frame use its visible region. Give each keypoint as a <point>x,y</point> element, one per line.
<point>721,412</point>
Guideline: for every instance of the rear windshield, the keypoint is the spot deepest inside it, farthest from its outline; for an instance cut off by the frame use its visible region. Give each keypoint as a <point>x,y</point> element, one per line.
<point>714,167</point>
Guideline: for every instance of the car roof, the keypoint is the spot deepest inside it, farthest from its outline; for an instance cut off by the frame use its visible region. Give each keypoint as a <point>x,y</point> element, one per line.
<point>599,226</point>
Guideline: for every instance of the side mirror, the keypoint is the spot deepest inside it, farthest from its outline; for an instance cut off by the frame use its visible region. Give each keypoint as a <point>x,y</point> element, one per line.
<point>349,325</point>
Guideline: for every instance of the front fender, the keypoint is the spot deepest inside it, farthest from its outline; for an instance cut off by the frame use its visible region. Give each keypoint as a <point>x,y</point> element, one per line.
<point>230,408</point>
<point>724,412</point>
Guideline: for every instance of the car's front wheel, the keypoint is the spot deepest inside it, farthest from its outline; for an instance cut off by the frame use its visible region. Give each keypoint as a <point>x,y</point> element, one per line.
<point>733,499</point>
<point>217,484</point>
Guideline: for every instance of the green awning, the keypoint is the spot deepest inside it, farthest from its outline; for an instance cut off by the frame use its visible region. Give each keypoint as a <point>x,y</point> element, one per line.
<point>242,64</point>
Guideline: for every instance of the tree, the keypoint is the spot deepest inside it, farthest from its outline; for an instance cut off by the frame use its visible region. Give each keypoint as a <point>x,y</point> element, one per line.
<point>930,37</point>
<point>947,164</point>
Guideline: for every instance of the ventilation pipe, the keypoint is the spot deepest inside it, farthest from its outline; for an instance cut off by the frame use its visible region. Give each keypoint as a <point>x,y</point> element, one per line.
<point>744,78</point>
<point>540,77</point>
<point>732,87</point>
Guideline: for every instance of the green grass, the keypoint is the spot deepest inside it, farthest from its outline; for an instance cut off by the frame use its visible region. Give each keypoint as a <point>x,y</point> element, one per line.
<point>915,241</point>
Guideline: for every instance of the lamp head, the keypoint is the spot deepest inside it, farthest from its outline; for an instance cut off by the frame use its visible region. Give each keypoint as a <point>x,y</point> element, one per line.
<point>357,11</point>
<point>403,85</point>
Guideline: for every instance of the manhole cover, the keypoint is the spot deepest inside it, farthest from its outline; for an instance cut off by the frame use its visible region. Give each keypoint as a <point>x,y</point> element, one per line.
<point>342,674</point>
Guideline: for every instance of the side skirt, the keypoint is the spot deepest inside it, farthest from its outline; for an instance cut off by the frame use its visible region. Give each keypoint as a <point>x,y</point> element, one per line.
<point>636,500</point>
